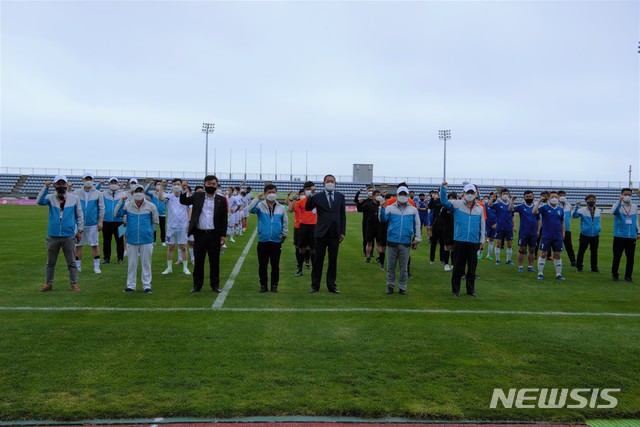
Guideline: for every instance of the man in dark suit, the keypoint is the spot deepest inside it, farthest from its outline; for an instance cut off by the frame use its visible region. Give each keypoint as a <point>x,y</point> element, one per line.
<point>330,230</point>
<point>208,225</point>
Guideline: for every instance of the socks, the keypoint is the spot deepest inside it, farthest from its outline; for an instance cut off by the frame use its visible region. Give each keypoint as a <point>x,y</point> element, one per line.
<point>299,258</point>
<point>169,266</point>
<point>192,255</point>
<point>490,248</point>
<point>180,256</point>
<point>382,254</point>
<point>509,253</point>
<point>541,262</point>
<point>96,262</point>
<point>558,264</point>
<point>78,262</point>
<point>497,254</point>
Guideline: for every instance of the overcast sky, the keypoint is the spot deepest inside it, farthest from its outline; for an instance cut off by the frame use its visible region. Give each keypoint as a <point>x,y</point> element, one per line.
<point>538,89</point>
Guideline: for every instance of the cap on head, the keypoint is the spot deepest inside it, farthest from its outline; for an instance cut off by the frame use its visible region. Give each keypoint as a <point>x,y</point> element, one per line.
<point>136,187</point>
<point>133,181</point>
<point>402,189</point>
<point>87,174</point>
<point>113,178</point>
<point>60,178</point>
<point>469,187</point>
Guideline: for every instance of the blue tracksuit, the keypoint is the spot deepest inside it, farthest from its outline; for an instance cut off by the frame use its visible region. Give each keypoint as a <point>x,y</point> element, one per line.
<point>589,220</point>
<point>62,224</point>
<point>404,223</point>
<point>469,224</point>
<point>273,223</point>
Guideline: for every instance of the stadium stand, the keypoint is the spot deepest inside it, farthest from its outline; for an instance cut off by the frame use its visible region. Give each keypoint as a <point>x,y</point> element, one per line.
<point>30,185</point>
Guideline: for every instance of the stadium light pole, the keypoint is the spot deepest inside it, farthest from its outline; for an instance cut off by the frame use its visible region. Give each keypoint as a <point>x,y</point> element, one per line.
<point>291,165</point>
<point>245,164</point>
<point>276,178</point>
<point>444,135</point>
<point>207,128</point>
<point>306,165</point>
<point>229,162</point>
<point>261,161</point>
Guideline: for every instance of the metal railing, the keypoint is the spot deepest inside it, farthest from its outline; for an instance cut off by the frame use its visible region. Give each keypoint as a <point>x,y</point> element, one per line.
<point>505,182</point>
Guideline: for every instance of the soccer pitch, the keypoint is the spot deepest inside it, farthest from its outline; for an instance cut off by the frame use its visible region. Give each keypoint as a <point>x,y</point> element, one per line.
<point>105,354</point>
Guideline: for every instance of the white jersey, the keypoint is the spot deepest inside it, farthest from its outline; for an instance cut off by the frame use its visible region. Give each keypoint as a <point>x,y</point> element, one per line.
<point>177,212</point>
<point>234,203</point>
<point>247,201</point>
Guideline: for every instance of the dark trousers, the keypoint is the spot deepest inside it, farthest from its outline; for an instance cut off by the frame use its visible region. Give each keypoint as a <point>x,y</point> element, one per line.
<point>585,242</point>
<point>206,243</point>
<point>620,245</point>
<point>568,247</point>
<point>269,253</point>
<point>464,254</point>
<point>364,237</point>
<point>163,229</point>
<point>436,237</point>
<point>324,244</point>
<point>109,230</point>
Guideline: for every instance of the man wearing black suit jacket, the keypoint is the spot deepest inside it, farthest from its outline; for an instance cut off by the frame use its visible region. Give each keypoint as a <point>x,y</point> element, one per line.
<point>330,230</point>
<point>208,225</point>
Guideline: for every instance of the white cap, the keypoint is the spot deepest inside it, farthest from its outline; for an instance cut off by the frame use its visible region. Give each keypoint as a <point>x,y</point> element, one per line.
<point>87,174</point>
<point>113,178</point>
<point>402,189</point>
<point>135,187</point>
<point>469,187</point>
<point>60,178</point>
<point>133,181</point>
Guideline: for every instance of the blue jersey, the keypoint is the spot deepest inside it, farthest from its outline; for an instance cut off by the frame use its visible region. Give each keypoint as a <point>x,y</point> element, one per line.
<point>422,205</point>
<point>528,221</point>
<point>491,217</point>
<point>504,216</point>
<point>552,221</point>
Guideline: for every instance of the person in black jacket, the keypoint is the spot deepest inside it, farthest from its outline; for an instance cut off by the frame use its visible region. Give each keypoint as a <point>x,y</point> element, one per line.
<point>446,215</point>
<point>361,207</point>
<point>436,230</point>
<point>331,228</point>
<point>208,225</point>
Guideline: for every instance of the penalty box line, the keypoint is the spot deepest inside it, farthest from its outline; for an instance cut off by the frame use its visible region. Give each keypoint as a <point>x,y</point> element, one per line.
<point>217,304</point>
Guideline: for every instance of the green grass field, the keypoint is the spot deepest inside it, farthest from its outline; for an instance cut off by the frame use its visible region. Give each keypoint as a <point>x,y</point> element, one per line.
<point>87,364</point>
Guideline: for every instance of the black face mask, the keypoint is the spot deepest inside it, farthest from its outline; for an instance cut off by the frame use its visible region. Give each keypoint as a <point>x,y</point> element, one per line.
<point>61,190</point>
<point>591,203</point>
<point>210,190</point>
<point>528,201</point>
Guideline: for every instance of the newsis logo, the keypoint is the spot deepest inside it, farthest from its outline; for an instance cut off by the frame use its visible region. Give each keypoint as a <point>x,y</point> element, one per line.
<point>554,398</point>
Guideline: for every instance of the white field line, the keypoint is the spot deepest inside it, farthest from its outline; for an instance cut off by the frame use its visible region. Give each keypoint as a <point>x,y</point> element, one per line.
<point>333,310</point>
<point>217,304</point>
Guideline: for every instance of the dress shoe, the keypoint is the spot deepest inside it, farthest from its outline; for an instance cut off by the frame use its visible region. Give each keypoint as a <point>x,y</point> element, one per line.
<point>334,291</point>
<point>402,292</point>
<point>263,290</point>
<point>194,290</point>
<point>474,295</point>
<point>455,294</point>
<point>215,290</point>
<point>274,290</point>
<point>627,279</point>
<point>389,291</point>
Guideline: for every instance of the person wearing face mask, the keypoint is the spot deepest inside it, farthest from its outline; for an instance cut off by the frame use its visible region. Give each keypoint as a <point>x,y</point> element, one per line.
<point>330,230</point>
<point>92,202</point>
<point>292,200</point>
<point>247,197</point>
<point>490,227</point>
<point>177,230</point>
<point>65,227</point>
<point>528,236</point>
<point>403,233</point>
<point>469,235</point>
<point>626,230</point>
<point>589,231</point>
<point>568,244</point>
<point>370,211</point>
<point>157,198</point>
<point>552,219</point>
<point>391,201</point>
<point>273,227</point>
<point>361,207</point>
<point>423,210</point>
<point>208,225</point>
<point>504,229</point>
<point>112,221</point>
<point>141,219</point>
<point>308,220</point>
<point>234,205</point>
<point>436,232</point>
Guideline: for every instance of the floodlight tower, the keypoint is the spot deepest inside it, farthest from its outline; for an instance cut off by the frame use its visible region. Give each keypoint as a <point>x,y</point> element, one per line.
<point>207,128</point>
<point>444,135</point>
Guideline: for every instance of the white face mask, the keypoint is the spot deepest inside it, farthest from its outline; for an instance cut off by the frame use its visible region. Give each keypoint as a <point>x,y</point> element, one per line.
<point>138,196</point>
<point>158,187</point>
<point>563,199</point>
<point>505,198</point>
<point>553,201</point>
<point>272,197</point>
<point>307,192</point>
<point>627,199</point>
<point>302,197</point>
<point>471,197</point>
<point>379,199</point>
<point>176,189</point>
<point>113,187</point>
<point>329,186</point>
<point>403,199</point>
<point>369,193</point>
<point>88,184</point>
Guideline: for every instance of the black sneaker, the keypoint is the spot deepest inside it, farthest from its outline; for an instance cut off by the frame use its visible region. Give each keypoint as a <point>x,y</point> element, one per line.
<point>455,294</point>
<point>474,295</point>
<point>615,278</point>
<point>119,261</point>
<point>595,270</point>
<point>263,290</point>
<point>298,273</point>
<point>368,260</point>
<point>128,290</point>
<point>402,292</point>
<point>148,291</point>
<point>628,279</point>
<point>389,291</point>
<point>275,290</point>
<point>307,265</point>
<point>106,261</point>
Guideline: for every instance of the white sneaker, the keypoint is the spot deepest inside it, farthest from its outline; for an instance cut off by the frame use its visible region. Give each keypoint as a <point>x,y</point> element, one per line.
<point>125,253</point>
<point>177,262</point>
<point>431,262</point>
<point>164,243</point>
<point>185,270</point>
<point>224,246</point>
<point>97,270</point>
<point>167,271</point>
<point>447,267</point>
<point>232,241</point>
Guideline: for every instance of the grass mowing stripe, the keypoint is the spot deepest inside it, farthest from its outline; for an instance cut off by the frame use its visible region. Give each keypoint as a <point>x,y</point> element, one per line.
<point>328,310</point>
<point>217,304</point>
